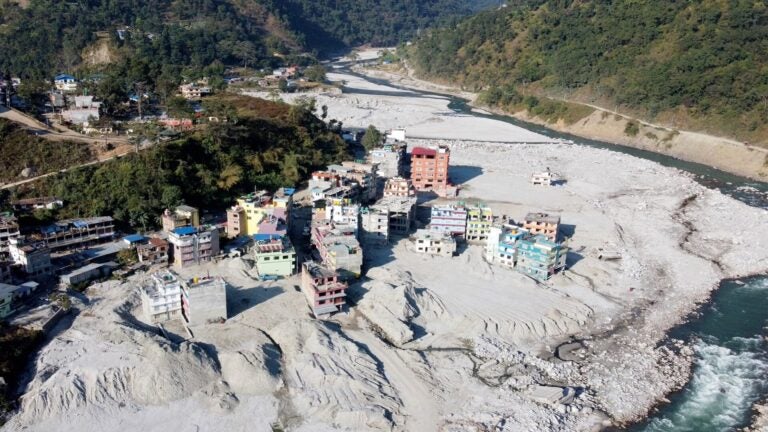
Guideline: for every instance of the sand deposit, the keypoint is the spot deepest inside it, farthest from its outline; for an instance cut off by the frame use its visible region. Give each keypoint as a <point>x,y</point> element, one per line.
<point>431,343</point>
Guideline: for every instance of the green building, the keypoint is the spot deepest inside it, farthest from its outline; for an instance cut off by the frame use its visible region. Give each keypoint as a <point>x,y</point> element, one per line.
<point>539,257</point>
<point>479,222</point>
<point>274,255</point>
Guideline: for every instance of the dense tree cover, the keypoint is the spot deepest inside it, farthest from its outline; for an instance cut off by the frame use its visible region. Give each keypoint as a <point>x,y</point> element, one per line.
<point>19,150</point>
<point>344,23</point>
<point>707,59</point>
<point>263,144</point>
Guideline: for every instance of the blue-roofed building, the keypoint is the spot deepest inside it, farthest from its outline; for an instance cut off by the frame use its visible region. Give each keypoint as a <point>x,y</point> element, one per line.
<point>78,233</point>
<point>534,255</point>
<point>65,82</point>
<point>134,239</point>
<point>191,246</point>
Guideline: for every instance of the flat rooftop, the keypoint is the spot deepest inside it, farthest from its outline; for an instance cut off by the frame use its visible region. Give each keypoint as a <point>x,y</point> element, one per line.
<point>542,217</point>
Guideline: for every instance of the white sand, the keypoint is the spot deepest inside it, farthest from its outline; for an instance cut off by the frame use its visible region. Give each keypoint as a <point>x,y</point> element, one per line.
<point>475,340</point>
<point>425,117</point>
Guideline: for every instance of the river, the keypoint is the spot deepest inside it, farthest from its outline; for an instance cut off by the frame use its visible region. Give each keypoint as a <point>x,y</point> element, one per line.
<point>730,371</point>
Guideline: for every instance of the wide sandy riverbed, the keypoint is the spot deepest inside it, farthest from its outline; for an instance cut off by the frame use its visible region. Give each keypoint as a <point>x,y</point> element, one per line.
<point>432,344</point>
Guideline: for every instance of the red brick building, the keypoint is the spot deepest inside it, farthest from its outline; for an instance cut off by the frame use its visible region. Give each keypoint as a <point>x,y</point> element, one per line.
<point>429,169</point>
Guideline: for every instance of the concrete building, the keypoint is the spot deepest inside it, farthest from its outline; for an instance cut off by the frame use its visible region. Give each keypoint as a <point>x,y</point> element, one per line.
<point>9,229</point>
<point>399,187</point>
<point>544,224</point>
<point>73,234</point>
<point>432,243</point>
<point>6,300</point>
<point>41,203</point>
<point>181,216</point>
<point>155,251</point>
<point>479,221</point>
<point>340,212</point>
<point>539,257</point>
<point>374,226</point>
<point>161,298</point>
<point>542,179</point>
<point>193,245</point>
<point>34,257</point>
<point>429,169</point>
<point>339,250</point>
<point>325,293</point>
<point>451,219</point>
<point>194,91</point>
<point>88,273</point>
<point>259,213</point>
<point>402,213</point>
<point>274,255</point>
<point>501,246</point>
<point>390,159</point>
<point>204,300</point>
<point>365,175</point>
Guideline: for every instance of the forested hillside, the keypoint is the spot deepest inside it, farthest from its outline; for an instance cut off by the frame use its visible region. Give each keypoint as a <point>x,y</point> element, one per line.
<point>264,144</point>
<point>700,64</point>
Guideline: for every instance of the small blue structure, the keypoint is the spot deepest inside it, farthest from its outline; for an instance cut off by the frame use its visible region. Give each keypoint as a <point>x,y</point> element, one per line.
<point>185,230</point>
<point>135,239</point>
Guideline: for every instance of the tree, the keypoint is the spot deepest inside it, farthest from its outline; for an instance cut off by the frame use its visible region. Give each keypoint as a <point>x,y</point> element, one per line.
<point>315,73</point>
<point>282,85</point>
<point>371,138</point>
<point>177,106</point>
<point>127,257</point>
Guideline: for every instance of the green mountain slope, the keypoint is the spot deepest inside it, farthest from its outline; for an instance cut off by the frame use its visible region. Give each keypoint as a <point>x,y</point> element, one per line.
<point>701,64</point>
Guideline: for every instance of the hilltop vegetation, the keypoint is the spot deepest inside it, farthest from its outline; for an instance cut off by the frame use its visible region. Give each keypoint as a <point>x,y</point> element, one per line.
<point>700,64</point>
<point>263,144</point>
<point>21,150</point>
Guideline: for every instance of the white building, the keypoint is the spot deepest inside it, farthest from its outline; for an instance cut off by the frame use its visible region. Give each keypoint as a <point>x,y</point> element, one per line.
<point>65,82</point>
<point>431,243</point>
<point>542,179</point>
<point>161,299</point>
<point>33,257</point>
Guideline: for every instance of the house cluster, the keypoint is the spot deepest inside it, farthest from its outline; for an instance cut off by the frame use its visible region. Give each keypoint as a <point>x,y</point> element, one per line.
<point>354,180</point>
<point>166,296</point>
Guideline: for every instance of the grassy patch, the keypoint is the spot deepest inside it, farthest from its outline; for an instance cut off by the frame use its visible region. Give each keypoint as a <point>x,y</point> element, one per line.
<point>651,135</point>
<point>632,128</point>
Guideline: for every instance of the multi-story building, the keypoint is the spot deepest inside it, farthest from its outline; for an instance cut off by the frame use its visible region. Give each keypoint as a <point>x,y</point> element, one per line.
<point>258,212</point>
<point>539,257</point>
<point>9,229</point>
<point>77,233</point>
<point>450,219</point>
<point>181,216</point>
<point>364,175</point>
<point>325,293</point>
<point>204,300</point>
<point>374,225</point>
<point>479,221</point>
<point>34,257</point>
<point>155,251</point>
<point>402,214</point>
<point>194,91</point>
<point>429,169</point>
<point>399,187</point>
<point>390,159</point>
<point>341,212</point>
<point>432,243</point>
<point>193,245</point>
<point>501,246</point>
<point>339,249</point>
<point>544,224</point>
<point>161,298</point>
<point>274,255</point>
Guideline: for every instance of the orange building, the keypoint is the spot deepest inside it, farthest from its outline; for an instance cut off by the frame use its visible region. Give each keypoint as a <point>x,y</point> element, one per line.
<point>429,169</point>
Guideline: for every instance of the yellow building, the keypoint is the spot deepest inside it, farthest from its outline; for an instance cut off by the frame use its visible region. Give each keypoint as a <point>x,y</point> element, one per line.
<point>479,222</point>
<point>254,212</point>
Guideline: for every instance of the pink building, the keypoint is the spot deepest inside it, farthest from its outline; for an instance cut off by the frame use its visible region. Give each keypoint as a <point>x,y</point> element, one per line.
<point>325,293</point>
